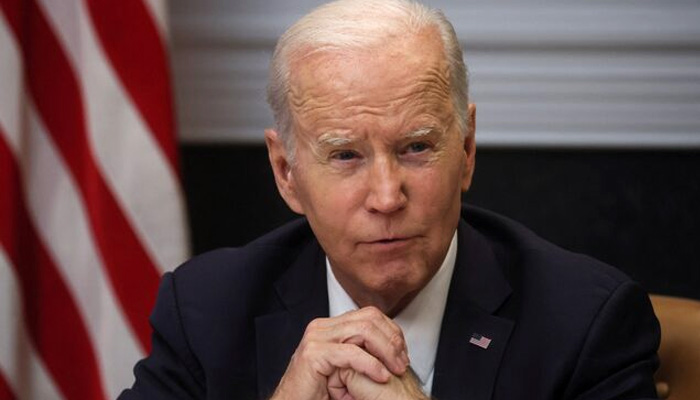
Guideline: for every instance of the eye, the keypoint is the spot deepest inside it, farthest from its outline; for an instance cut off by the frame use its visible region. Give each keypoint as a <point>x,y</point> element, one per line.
<point>417,147</point>
<point>344,155</point>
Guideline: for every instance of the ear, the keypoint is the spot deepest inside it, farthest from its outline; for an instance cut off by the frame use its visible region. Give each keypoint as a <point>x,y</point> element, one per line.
<point>282,170</point>
<point>469,148</point>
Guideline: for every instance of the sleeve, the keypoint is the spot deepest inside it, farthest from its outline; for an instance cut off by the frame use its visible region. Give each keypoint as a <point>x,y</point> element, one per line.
<point>618,358</point>
<point>170,371</point>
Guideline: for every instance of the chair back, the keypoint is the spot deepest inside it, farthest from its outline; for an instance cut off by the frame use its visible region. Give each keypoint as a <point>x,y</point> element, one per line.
<point>678,377</point>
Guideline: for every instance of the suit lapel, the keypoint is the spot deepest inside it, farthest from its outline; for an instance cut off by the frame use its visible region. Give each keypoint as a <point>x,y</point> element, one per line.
<point>304,296</point>
<point>464,370</point>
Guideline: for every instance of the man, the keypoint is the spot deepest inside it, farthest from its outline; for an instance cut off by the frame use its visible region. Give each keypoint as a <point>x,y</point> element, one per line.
<point>389,288</point>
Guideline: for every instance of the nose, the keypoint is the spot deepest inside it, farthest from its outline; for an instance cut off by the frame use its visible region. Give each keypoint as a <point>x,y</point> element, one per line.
<point>386,187</point>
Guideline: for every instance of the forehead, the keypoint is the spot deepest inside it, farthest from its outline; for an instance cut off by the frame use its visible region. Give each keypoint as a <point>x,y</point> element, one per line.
<point>401,82</point>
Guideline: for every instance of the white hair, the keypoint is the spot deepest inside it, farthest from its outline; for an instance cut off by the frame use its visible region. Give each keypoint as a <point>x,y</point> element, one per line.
<point>360,24</point>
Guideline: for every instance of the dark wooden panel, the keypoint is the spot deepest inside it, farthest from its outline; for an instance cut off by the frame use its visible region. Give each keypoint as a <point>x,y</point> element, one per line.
<point>636,210</point>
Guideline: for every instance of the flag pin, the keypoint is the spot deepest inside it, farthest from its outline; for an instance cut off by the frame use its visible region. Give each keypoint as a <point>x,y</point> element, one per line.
<point>480,340</point>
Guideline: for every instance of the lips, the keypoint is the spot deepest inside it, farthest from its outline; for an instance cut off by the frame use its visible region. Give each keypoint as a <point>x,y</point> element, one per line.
<point>388,244</point>
<point>388,240</point>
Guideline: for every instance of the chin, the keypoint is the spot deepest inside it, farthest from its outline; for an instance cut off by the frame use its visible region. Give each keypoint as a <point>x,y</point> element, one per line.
<point>397,280</point>
<point>393,296</point>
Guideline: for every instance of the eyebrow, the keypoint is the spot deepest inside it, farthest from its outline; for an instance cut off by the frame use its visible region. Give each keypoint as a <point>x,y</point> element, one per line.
<point>420,132</point>
<point>333,139</point>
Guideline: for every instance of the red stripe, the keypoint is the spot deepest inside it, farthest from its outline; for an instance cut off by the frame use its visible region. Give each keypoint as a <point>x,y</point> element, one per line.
<point>13,10</point>
<point>5,391</point>
<point>52,318</point>
<point>55,91</point>
<point>133,44</point>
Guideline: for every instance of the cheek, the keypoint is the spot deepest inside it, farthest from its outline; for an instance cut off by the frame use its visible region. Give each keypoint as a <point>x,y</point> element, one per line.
<point>330,202</point>
<point>438,185</point>
<point>436,194</point>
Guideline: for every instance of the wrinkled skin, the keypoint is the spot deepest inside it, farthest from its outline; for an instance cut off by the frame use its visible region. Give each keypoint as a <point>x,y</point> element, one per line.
<point>379,168</point>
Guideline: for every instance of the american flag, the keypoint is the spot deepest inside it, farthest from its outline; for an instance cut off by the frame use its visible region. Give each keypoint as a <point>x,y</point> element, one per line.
<point>91,207</point>
<point>480,341</point>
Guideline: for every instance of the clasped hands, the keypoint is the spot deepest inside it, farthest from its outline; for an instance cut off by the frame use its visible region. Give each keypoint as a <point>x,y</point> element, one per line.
<point>360,355</point>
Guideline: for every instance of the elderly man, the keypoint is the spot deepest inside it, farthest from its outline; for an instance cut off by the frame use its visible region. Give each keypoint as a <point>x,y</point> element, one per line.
<point>389,288</point>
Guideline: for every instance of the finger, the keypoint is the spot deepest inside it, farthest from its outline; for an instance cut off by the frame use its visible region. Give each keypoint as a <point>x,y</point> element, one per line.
<point>362,388</point>
<point>358,387</point>
<point>367,328</point>
<point>350,356</point>
<point>326,358</point>
<point>337,389</point>
<point>381,320</point>
<point>390,350</point>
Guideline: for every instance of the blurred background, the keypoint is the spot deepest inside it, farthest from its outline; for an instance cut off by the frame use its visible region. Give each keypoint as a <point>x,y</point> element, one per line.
<point>588,123</point>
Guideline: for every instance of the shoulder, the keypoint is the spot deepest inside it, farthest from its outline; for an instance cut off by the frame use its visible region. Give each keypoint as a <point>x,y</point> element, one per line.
<point>208,305</point>
<point>587,322</point>
<point>525,255</point>
<point>551,287</point>
<point>249,269</point>
<point>262,253</point>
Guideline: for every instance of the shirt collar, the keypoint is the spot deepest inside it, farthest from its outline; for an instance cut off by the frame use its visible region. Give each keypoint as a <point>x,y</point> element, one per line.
<point>420,321</point>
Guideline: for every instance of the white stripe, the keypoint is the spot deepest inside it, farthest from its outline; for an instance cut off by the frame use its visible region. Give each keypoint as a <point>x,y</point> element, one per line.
<point>11,79</point>
<point>19,363</point>
<point>57,211</point>
<point>159,13</point>
<point>129,157</point>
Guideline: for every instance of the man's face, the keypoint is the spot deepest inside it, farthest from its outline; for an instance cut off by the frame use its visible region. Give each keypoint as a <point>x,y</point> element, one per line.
<point>379,165</point>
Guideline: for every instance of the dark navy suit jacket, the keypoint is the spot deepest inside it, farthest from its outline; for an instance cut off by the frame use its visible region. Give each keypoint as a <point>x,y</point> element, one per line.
<point>562,325</point>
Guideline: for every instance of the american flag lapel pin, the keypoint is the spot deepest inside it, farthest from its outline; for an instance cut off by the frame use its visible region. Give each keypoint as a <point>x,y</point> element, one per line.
<point>480,341</point>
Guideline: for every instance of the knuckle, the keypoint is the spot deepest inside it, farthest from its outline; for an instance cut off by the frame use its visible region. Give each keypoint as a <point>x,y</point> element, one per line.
<point>347,374</point>
<point>307,352</point>
<point>302,349</point>
<point>314,329</point>
<point>311,347</point>
<point>317,365</point>
<point>365,327</point>
<point>314,325</point>
<point>397,341</point>
<point>307,346</point>
<point>372,312</point>
<point>373,366</point>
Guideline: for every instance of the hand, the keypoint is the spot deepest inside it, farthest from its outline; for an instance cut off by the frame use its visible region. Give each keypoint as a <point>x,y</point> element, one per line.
<point>348,384</point>
<point>365,341</point>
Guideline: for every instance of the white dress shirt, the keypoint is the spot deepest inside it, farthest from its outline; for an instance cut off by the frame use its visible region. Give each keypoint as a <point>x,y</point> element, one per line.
<point>420,321</point>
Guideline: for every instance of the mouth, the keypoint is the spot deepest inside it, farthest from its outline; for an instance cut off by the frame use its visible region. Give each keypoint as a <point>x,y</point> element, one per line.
<point>388,239</point>
<point>394,243</point>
